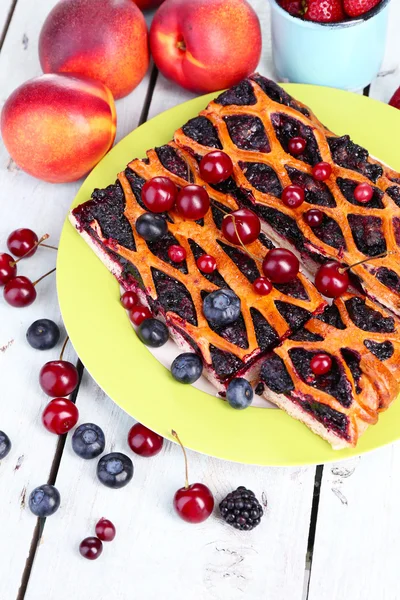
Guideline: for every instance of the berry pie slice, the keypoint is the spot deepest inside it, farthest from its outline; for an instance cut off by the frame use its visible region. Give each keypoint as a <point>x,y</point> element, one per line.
<point>363,343</point>
<point>176,291</point>
<point>255,123</point>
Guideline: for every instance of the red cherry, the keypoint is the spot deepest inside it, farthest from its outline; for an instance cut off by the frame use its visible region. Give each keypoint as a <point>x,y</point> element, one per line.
<point>176,253</point>
<point>129,300</point>
<point>58,378</point>
<point>91,548</point>
<point>322,171</point>
<point>216,167</point>
<point>280,265</point>
<point>22,242</point>
<point>8,268</point>
<point>321,364</point>
<point>60,415</point>
<point>363,193</point>
<point>331,280</point>
<point>262,286</point>
<point>139,313</point>
<point>193,202</point>
<point>105,530</point>
<point>159,194</point>
<point>297,145</point>
<point>19,292</point>
<point>206,263</point>
<point>143,441</point>
<point>247,224</point>
<point>313,217</point>
<point>293,196</point>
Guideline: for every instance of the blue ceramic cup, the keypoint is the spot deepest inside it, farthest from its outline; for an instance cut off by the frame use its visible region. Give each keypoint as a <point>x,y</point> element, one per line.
<point>345,55</point>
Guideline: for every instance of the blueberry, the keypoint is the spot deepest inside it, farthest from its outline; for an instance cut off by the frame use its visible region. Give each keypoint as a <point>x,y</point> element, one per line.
<point>88,441</point>
<point>44,500</point>
<point>187,367</point>
<point>239,393</point>
<point>5,444</point>
<point>151,227</point>
<point>153,333</point>
<point>221,307</point>
<point>43,334</point>
<point>115,470</point>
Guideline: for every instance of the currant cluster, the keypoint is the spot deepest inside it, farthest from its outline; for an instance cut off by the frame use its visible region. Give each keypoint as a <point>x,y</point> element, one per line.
<point>20,291</point>
<point>91,547</point>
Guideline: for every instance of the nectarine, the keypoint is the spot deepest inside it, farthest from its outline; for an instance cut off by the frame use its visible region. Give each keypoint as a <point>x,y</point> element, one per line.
<point>57,127</point>
<point>103,39</point>
<point>205,45</point>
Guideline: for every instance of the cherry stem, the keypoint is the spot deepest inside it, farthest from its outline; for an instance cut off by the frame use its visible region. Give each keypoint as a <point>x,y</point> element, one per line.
<point>63,348</point>
<point>240,241</point>
<point>43,276</point>
<point>38,243</point>
<point>176,436</point>
<point>361,262</point>
<point>48,246</point>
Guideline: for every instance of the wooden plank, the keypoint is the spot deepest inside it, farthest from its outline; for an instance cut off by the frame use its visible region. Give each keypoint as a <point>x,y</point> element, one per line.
<point>154,550</point>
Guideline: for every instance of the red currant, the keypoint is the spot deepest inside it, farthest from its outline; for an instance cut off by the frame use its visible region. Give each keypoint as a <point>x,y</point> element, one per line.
<point>321,363</point>
<point>129,300</point>
<point>241,226</point>
<point>22,242</point>
<point>60,416</point>
<point>176,253</point>
<point>216,167</point>
<point>206,263</point>
<point>293,196</point>
<point>280,265</point>
<point>193,202</point>
<point>19,292</point>
<point>297,145</point>
<point>139,313</point>
<point>313,217</point>
<point>262,286</point>
<point>159,194</point>
<point>58,378</point>
<point>143,441</point>
<point>322,171</point>
<point>8,268</point>
<point>363,193</point>
<point>105,530</point>
<point>332,280</point>
<point>91,548</point>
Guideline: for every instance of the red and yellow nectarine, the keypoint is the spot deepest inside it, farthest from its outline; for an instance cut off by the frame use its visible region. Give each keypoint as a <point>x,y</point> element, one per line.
<point>58,127</point>
<point>206,45</point>
<point>103,39</point>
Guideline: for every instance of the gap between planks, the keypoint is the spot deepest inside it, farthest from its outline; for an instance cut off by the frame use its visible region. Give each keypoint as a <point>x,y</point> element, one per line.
<point>7,22</point>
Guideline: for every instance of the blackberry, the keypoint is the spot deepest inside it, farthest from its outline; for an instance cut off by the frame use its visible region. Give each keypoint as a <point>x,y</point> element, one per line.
<point>241,509</point>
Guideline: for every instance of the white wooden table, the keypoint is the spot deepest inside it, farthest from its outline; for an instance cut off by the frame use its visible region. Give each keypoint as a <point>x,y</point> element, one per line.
<point>330,533</point>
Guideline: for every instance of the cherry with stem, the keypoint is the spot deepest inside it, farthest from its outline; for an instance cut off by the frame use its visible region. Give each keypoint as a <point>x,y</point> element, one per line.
<point>21,291</point>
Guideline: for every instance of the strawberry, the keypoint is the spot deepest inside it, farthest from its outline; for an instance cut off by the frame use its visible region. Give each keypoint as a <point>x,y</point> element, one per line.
<point>293,7</point>
<point>395,99</point>
<point>324,11</point>
<point>355,8</point>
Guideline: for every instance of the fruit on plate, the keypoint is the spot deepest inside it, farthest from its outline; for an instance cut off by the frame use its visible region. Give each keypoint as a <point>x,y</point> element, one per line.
<point>324,11</point>
<point>205,45</point>
<point>148,4</point>
<point>102,39</point>
<point>58,127</point>
<point>239,393</point>
<point>356,8</point>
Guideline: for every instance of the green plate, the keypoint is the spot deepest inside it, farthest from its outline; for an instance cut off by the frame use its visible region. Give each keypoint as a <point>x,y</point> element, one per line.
<point>107,345</point>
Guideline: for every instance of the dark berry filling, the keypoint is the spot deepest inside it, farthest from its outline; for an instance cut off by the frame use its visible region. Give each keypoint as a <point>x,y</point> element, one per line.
<point>218,212</point>
<point>352,156</point>
<point>235,333</point>
<point>266,242</point>
<point>303,335</point>
<point>352,360</point>
<point>130,271</point>
<point>389,278</point>
<point>331,316</point>
<point>367,318</point>
<point>295,316</point>
<point>347,187</point>
<point>173,296</point>
<point>330,233</point>
<point>334,383</point>
<point>262,177</point>
<point>394,193</point>
<point>240,95</point>
<point>396,229</point>
<point>329,417</point>
<point>316,192</point>
<point>171,161</point>
<point>188,339</point>
<point>241,195</point>
<point>282,224</point>
<point>278,94</point>
<point>265,333</point>
<point>287,128</point>
<point>367,234</point>
<point>248,133</point>
<point>383,350</point>
<point>224,363</point>
<point>294,288</point>
<point>242,260</point>
<point>275,375</point>
<point>136,182</point>
<point>202,131</point>
<point>160,249</point>
<point>215,277</point>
